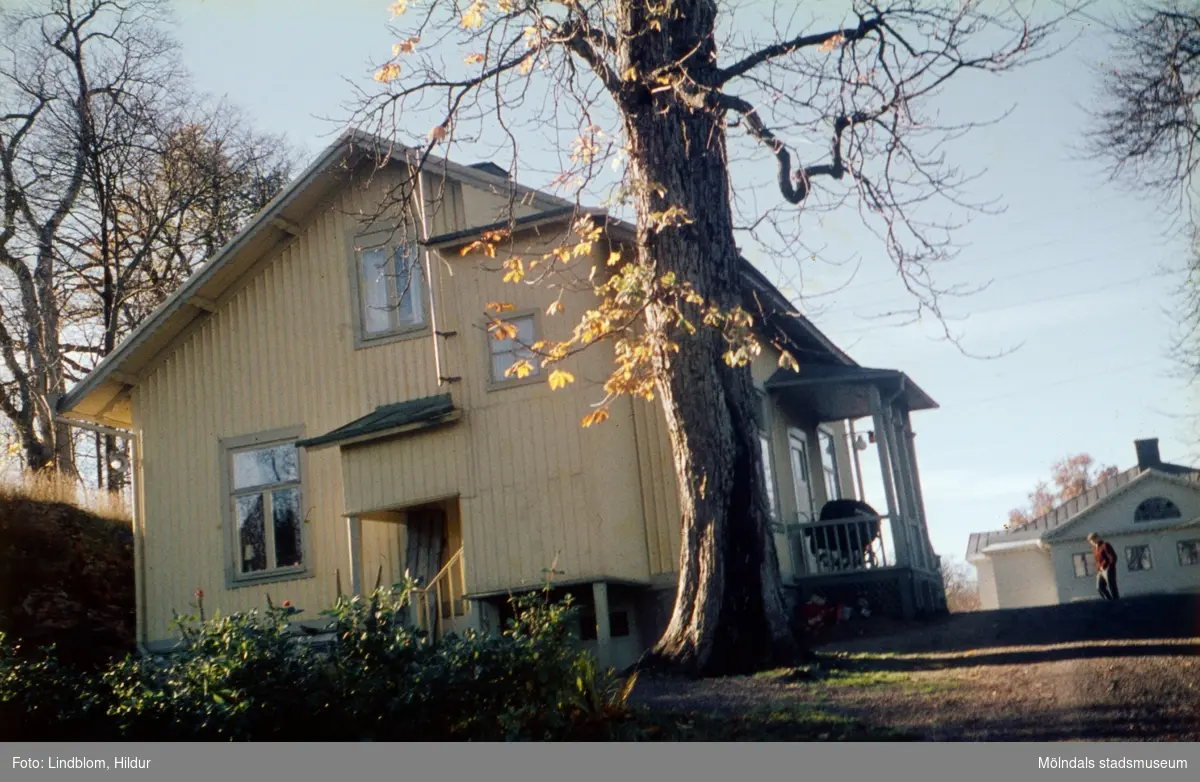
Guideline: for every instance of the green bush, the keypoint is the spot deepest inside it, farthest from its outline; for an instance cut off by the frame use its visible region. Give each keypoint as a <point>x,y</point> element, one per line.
<point>251,677</point>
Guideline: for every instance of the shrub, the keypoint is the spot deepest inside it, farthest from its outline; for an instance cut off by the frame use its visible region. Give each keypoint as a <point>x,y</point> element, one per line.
<point>251,677</point>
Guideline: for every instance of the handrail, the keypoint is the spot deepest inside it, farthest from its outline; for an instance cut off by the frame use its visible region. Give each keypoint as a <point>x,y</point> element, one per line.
<point>435,584</point>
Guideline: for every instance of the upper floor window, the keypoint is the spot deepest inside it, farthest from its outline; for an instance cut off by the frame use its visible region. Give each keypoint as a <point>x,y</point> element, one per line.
<point>507,352</point>
<point>1156,509</point>
<point>266,532</point>
<point>391,287</point>
<point>829,464</point>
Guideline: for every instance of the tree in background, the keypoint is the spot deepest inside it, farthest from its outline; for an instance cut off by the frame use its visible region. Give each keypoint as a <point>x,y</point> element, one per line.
<point>1069,478</point>
<point>116,181</point>
<point>666,93</point>
<point>962,587</point>
<point>1147,128</point>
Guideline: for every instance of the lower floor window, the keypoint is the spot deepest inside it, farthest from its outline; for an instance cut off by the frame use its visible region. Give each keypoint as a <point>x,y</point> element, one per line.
<point>1189,552</point>
<point>266,533</point>
<point>1085,565</point>
<point>1138,558</point>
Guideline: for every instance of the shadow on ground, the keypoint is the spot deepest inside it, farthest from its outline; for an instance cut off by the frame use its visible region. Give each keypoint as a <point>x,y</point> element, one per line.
<point>1159,618</point>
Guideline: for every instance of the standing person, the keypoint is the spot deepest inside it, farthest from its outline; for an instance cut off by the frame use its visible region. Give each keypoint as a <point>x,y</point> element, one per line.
<point>1106,567</point>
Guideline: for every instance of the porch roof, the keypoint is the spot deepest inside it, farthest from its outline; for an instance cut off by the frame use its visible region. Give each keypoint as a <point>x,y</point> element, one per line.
<point>386,420</point>
<point>840,392</point>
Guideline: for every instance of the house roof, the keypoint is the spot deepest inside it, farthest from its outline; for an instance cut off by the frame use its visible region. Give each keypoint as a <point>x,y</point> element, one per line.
<point>388,420</point>
<point>835,392</point>
<point>1056,524</point>
<point>102,397</point>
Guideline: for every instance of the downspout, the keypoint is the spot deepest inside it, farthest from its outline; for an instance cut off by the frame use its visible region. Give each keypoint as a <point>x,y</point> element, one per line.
<point>433,322</point>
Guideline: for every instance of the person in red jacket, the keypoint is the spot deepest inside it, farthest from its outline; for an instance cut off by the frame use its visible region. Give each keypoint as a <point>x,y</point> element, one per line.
<point>1106,567</point>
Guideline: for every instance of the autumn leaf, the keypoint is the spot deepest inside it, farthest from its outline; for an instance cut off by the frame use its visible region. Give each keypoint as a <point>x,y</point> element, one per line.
<point>474,59</point>
<point>832,43</point>
<point>788,361</point>
<point>387,73</point>
<point>399,7</point>
<point>406,47</point>
<point>499,306</point>
<point>520,369</point>
<point>437,133</point>
<point>555,309</point>
<point>502,330</point>
<point>597,417</point>
<point>514,270</point>
<point>526,66</point>
<point>559,378</point>
<point>473,16</point>
<point>613,258</point>
<point>507,6</point>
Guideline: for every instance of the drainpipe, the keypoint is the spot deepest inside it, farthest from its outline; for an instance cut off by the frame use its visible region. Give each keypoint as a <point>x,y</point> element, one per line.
<point>433,320</point>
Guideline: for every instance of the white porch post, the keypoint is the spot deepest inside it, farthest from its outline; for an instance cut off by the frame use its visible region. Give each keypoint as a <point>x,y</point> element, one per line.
<point>603,630</point>
<point>918,498</point>
<point>906,488</point>
<point>883,440</point>
<point>354,535</point>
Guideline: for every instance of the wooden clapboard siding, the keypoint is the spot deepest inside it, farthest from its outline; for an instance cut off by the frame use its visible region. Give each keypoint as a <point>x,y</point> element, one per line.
<point>534,490</point>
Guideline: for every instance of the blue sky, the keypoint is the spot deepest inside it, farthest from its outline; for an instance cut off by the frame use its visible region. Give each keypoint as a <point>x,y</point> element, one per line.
<point>1081,269</point>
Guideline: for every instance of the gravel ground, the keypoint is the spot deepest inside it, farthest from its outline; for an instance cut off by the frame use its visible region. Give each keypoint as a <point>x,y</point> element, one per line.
<point>1086,671</point>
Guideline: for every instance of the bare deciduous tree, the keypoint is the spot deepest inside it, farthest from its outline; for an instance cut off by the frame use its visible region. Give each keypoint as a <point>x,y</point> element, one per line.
<point>1148,130</point>
<point>671,94</point>
<point>115,182</point>
<point>1071,477</point>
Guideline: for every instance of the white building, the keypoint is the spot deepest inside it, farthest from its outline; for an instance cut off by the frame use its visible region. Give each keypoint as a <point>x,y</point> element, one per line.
<point>1151,515</point>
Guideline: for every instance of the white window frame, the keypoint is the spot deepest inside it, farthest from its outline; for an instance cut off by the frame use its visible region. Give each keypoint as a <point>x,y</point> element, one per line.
<point>764,444</point>
<point>1089,564</point>
<point>797,437</point>
<point>535,376</point>
<point>1129,568</point>
<point>417,289</point>
<point>230,447</point>
<point>1179,548</point>
<point>829,469</point>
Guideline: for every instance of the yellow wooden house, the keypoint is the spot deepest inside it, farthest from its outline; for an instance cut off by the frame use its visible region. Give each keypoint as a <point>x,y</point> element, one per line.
<point>303,421</point>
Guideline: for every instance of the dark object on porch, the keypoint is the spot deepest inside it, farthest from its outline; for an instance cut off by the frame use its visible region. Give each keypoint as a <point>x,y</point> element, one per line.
<point>845,547</point>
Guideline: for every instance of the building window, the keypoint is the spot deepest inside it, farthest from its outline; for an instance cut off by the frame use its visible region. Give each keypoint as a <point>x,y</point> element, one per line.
<point>618,624</point>
<point>1156,509</point>
<point>267,532</point>
<point>829,464</point>
<point>1085,565</point>
<point>769,475</point>
<point>505,353</point>
<point>1189,552</point>
<point>391,286</point>
<point>1138,558</point>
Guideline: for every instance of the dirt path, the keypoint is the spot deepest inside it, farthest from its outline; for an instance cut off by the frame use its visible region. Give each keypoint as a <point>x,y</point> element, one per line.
<point>1086,671</point>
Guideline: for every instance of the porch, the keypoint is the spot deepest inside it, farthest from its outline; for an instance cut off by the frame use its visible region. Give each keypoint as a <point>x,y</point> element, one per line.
<point>425,543</point>
<point>848,550</point>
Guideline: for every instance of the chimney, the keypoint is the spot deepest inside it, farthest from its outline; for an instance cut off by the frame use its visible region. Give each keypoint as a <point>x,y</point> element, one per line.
<point>1147,453</point>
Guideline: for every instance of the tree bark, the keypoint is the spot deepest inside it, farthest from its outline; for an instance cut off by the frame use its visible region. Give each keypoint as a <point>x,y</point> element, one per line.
<point>729,615</point>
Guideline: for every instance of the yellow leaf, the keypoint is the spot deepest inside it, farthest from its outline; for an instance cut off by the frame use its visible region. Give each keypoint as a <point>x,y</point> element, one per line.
<point>399,7</point>
<point>499,306</point>
<point>597,417</point>
<point>387,73</point>
<point>831,44</point>
<point>473,16</point>
<point>502,330</point>
<point>559,378</point>
<point>474,59</point>
<point>613,258</point>
<point>437,133</point>
<point>406,47</point>
<point>630,74</point>
<point>506,6</point>
<point>555,309</point>
<point>515,270</point>
<point>526,66</point>
<point>788,361</point>
<point>520,369</point>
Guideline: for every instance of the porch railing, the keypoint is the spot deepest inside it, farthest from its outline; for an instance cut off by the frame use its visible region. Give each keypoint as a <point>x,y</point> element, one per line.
<point>842,545</point>
<point>441,601</point>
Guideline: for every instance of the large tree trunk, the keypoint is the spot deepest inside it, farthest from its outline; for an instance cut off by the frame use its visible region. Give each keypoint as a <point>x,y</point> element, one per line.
<point>729,614</point>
